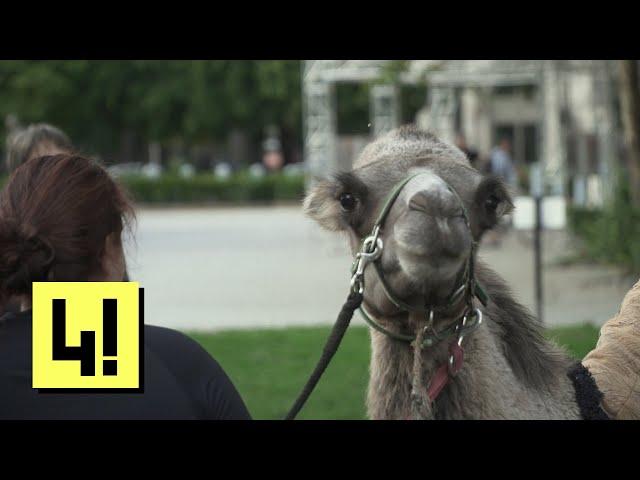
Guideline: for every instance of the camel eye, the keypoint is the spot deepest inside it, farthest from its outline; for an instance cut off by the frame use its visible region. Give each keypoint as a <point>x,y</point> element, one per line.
<point>347,201</point>
<point>492,203</point>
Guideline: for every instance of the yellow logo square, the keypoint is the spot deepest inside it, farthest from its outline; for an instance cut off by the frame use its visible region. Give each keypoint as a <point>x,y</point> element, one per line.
<point>87,336</point>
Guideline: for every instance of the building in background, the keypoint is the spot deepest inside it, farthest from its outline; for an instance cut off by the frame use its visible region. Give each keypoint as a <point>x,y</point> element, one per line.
<point>557,114</point>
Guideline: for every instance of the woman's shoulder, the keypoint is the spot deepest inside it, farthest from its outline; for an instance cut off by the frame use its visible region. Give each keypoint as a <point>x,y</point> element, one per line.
<point>178,352</point>
<point>166,341</point>
<point>197,371</point>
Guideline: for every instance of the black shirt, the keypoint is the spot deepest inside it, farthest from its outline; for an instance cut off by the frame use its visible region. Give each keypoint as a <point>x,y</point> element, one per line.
<point>181,381</point>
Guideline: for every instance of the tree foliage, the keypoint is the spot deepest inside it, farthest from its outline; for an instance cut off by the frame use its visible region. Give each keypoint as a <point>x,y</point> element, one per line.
<point>190,101</point>
<point>629,91</point>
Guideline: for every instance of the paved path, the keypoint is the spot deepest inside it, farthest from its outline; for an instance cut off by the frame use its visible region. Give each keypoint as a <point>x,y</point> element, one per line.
<point>219,268</point>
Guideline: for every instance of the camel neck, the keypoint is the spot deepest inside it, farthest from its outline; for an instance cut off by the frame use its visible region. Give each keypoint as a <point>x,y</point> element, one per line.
<point>487,387</point>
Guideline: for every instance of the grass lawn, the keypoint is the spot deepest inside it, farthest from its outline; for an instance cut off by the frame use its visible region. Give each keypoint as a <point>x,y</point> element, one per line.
<point>269,367</point>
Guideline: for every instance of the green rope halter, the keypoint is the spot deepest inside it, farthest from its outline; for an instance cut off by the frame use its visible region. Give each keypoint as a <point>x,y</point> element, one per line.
<point>466,278</point>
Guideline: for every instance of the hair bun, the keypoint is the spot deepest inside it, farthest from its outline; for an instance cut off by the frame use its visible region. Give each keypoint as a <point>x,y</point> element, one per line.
<point>25,257</point>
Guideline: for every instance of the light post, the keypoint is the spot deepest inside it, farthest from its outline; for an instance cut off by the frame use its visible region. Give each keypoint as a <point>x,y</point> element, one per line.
<point>537,191</point>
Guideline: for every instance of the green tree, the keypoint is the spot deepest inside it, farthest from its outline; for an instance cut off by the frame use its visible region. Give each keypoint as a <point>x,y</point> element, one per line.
<point>100,102</point>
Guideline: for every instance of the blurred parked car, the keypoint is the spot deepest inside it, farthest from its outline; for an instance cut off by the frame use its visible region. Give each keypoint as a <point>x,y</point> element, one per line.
<point>122,169</point>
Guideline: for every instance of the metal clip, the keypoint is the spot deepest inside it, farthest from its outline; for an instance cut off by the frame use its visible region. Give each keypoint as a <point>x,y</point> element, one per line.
<point>371,251</point>
<point>464,329</point>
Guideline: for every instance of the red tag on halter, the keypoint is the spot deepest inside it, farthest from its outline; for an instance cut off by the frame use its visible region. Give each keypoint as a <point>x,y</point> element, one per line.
<point>446,371</point>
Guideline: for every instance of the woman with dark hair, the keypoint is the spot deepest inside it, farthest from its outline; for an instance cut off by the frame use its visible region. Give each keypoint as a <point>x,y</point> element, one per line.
<point>36,140</point>
<point>61,219</point>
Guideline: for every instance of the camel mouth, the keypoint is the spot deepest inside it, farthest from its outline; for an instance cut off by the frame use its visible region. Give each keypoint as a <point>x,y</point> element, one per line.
<point>420,277</point>
<point>415,286</point>
<point>421,269</point>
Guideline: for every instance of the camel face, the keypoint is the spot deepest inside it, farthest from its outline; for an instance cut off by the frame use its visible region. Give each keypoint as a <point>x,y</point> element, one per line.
<point>426,238</point>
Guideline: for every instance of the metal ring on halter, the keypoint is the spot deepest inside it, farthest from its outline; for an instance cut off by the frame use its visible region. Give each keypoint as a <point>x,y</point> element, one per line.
<point>357,285</point>
<point>375,234</point>
<point>430,328</point>
<point>466,329</point>
<point>366,256</point>
<point>430,321</point>
<point>377,245</point>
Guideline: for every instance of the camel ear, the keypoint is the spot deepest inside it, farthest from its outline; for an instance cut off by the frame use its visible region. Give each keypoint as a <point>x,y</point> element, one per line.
<point>321,205</point>
<point>504,207</point>
<point>492,201</point>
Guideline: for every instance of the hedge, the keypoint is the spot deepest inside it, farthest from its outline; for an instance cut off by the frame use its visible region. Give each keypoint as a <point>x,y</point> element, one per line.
<point>611,234</point>
<point>206,188</point>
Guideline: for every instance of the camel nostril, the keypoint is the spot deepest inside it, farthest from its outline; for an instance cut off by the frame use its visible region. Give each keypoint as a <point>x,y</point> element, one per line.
<point>420,202</point>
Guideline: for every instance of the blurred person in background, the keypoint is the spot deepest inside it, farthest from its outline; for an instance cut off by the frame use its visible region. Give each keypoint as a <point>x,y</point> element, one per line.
<point>25,143</point>
<point>34,141</point>
<point>272,157</point>
<point>62,219</point>
<point>12,126</point>
<point>501,165</point>
<point>471,153</point>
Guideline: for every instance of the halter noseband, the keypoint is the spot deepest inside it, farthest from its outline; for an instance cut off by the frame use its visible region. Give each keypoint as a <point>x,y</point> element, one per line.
<point>371,252</point>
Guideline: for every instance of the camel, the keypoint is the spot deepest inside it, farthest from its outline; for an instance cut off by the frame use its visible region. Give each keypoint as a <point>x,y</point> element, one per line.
<point>443,207</point>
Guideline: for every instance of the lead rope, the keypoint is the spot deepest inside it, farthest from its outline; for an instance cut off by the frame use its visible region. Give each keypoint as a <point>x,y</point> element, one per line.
<point>420,402</point>
<point>333,342</point>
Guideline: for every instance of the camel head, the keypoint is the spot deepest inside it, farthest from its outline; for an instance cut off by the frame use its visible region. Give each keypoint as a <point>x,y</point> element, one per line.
<point>427,240</point>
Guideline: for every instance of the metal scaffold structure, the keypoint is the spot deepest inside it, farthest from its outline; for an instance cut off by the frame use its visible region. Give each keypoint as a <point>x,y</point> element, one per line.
<point>550,79</point>
<point>319,106</point>
<point>477,80</point>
